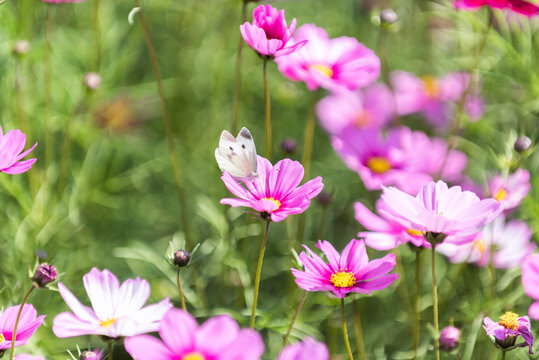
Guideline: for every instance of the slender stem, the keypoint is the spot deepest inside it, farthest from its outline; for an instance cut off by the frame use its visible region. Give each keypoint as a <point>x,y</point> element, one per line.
<point>110,349</point>
<point>417,301</point>
<point>258,272</point>
<point>503,355</point>
<point>237,76</point>
<point>345,332</point>
<point>268,110</point>
<point>14,336</point>
<point>97,37</point>
<point>180,290</point>
<point>294,317</point>
<point>359,332</point>
<point>47,86</point>
<point>435,301</point>
<point>178,177</point>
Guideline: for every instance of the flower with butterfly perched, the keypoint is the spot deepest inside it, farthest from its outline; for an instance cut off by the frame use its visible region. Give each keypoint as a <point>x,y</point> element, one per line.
<point>237,156</point>
<point>274,192</point>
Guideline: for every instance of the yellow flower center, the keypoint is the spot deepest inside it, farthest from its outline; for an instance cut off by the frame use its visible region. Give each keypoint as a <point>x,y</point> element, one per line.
<point>363,118</point>
<point>193,356</point>
<point>2,338</point>
<point>378,164</point>
<point>509,320</point>
<point>276,202</point>
<point>416,233</point>
<point>430,85</point>
<point>107,323</point>
<point>343,279</point>
<point>322,69</point>
<point>479,246</point>
<point>501,195</point>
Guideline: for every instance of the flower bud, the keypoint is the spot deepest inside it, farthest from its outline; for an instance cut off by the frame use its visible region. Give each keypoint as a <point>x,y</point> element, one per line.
<point>181,258</point>
<point>289,145</point>
<point>388,17</point>
<point>522,144</point>
<point>21,47</point>
<point>45,274</point>
<point>96,354</point>
<point>449,337</point>
<point>324,198</point>
<point>92,80</point>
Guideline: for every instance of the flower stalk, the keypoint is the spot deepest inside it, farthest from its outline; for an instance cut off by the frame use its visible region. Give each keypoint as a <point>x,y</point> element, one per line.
<point>345,332</point>
<point>294,317</point>
<point>359,332</point>
<point>180,290</point>
<point>267,109</point>
<point>14,336</point>
<point>258,272</point>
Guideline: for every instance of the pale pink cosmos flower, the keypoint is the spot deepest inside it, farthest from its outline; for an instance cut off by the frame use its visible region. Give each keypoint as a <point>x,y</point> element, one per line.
<point>435,98</point>
<point>333,64</point>
<point>348,272</point>
<point>449,337</point>
<point>11,145</point>
<point>509,242</point>
<point>507,330</point>
<point>438,209</point>
<point>117,310</point>
<point>370,108</point>
<point>274,192</point>
<point>308,349</point>
<point>28,357</point>
<point>530,281</point>
<point>269,34</point>
<point>219,338</point>
<point>519,6</point>
<point>510,191</point>
<point>28,324</point>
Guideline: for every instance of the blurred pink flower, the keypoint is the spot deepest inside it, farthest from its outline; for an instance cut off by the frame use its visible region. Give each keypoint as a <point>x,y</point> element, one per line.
<point>511,244</point>
<point>508,329</point>
<point>269,34</point>
<point>434,98</point>
<point>404,158</point>
<point>308,349</point>
<point>519,6</point>
<point>61,1</point>
<point>219,338</point>
<point>11,145</point>
<point>117,310</point>
<point>274,192</point>
<point>370,108</point>
<point>27,357</point>
<point>28,324</point>
<point>440,210</point>
<point>530,281</point>
<point>333,64</point>
<point>511,190</point>
<point>348,272</point>
<point>449,337</point>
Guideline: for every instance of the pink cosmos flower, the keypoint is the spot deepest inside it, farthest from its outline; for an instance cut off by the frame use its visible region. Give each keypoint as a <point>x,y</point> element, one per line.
<point>62,1</point>
<point>449,337</point>
<point>530,281</point>
<point>274,192</point>
<point>434,98</point>
<point>404,158</point>
<point>11,145</point>
<point>28,324</point>
<point>507,330</point>
<point>28,357</point>
<point>117,310</point>
<point>308,349</point>
<point>511,190</point>
<point>348,272</point>
<point>219,338</point>
<point>440,210</point>
<point>510,243</point>
<point>269,34</point>
<point>370,108</point>
<point>333,64</point>
<point>519,6</point>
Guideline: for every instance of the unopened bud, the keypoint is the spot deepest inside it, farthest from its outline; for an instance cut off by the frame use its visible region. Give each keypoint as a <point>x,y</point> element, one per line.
<point>522,144</point>
<point>96,354</point>
<point>21,47</point>
<point>181,258</point>
<point>449,337</point>
<point>289,145</point>
<point>324,198</point>
<point>45,274</point>
<point>92,80</point>
<point>388,17</point>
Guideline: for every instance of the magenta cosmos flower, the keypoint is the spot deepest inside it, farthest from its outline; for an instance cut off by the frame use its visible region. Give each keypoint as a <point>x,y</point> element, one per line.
<point>510,244</point>
<point>219,338</point>
<point>507,330</point>
<point>28,357</point>
<point>370,108</point>
<point>519,6</point>
<point>348,272</point>
<point>28,324</point>
<point>333,64</point>
<point>449,337</point>
<point>11,145</point>
<point>308,349</point>
<point>274,192</point>
<point>510,191</point>
<point>530,281</point>
<point>268,34</point>
<point>438,209</point>
<point>117,310</point>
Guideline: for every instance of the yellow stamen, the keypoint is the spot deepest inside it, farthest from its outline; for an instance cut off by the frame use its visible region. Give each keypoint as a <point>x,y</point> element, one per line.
<point>501,195</point>
<point>343,279</point>
<point>479,246</point>
<point>322,69</point>
<point>363,118</point>
<point>378,164</point>
<point>509,320</point>
<point>415,232</point>
<point>2,338</point>
<point>107,323</point>
<point>193,356</point>
<point>430,85</point>
<point>276,202</point>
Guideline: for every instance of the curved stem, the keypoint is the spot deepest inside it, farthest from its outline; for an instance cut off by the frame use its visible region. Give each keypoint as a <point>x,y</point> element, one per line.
<point>110,350</point>
<point>294,317</point>
<point>417,301</point>
<point>267,111</point>
<point>237,76</point>
<point>435,301</point>
<point>14,335</point>
<point>258,272</point>
<point>345,332</point>
<point>180,290</point>
<point>359,332</point>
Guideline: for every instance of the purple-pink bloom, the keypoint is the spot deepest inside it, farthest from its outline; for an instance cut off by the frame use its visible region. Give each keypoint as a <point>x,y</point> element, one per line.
<point>530,281</point>
<point>219,338</point>
<point>510,191</point>
<point>116,311</point>
<point>274,192</point>
<point>348,272</point>
<point>449,337</point>
<point>333,64</point>
<point>27,356</point>
<point>11,145</point>
<point>519,6</point>
<point>308,349</point>
<point>28,324</point>
<point>269,34</point>
<point>507,330</point>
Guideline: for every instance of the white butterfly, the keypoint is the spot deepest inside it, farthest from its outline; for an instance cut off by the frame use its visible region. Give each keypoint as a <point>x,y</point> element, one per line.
<point>237,155</point>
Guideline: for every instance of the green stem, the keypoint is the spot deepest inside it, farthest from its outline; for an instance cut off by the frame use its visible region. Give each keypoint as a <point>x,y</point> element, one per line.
<point>97,37</point>
<point>345,332</point>
<point>178,177</point>
<point>110,349</point>
<point>359,332</point>
<point>258,272</point>
<point>294,317</point>
<point>503,355</point>
<point>47,86</point>
<point>268,110</point>
<point>417,301</point>
<point>14,335</point>
<point>237,76</point>
<point>180,290</point>
<point>435,302</point>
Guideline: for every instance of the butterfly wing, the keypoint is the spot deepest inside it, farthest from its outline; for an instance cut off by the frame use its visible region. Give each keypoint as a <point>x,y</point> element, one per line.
<point>232,157</point>
<point>245,139</point>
